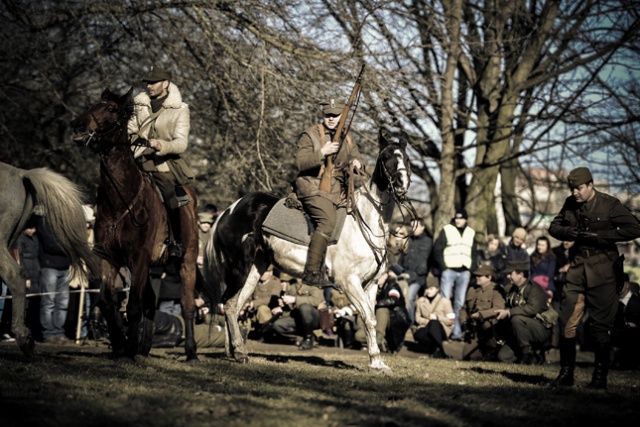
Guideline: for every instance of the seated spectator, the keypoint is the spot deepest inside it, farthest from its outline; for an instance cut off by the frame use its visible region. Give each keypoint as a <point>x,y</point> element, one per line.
<point>625,335</point>
<point>527,335</point>
<point>296,313</point>
<point>543,266</point>
<point>494,256</point>
<point>209,330</point>
<point>515,251</point>
<point>478,316</point>
<point>170,289</point>
<point>258,309</point>
<point>345,314</point>
<point>205,221</point>
<point>435,319</point>
<point>392,319</point>
<point>415,262</point>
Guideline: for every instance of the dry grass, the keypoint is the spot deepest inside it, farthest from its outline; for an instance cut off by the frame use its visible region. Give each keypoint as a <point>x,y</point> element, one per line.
<point>81,386</point>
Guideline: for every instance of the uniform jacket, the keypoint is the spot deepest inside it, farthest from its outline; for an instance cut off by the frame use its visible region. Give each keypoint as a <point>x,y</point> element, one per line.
<point>484,301</point>
<point>442,309</point>
<point>526,300</point>
<point>416,259</point>
<point>171,127</point>
<point>304,295</point>
<point>605,216</point>
<point>311,162</point>
<point>264,291</point>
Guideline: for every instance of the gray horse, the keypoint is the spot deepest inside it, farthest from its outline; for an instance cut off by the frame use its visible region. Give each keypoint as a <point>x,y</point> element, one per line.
<point>61,204</point>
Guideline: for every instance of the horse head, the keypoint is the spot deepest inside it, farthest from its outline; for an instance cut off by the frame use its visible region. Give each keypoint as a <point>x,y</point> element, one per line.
<point>393,168</point>
<point>106,118</point>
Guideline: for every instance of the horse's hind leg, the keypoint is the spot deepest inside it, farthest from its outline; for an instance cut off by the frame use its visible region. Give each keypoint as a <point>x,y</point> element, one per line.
<point>147,325</point>
<point>188,279</point>
<point>10,272</point>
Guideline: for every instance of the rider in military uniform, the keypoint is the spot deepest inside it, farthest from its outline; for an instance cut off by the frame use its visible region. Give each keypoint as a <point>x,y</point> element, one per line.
<point>316,144</point>
<point>596,222</point>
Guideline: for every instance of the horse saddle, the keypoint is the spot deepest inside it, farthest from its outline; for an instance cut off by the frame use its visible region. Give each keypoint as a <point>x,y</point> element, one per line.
<point>294,225</point>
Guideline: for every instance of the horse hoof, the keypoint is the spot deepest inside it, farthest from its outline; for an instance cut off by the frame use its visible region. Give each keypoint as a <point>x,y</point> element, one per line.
<point>243,360</point>
<point>27,345</point>
<point>193,360</point>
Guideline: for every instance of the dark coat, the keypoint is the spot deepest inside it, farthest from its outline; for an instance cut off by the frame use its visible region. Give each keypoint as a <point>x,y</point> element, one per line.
<point>28,248</point>
<point>416,259</point>
<point>50,254</point>
<point>399,316</point>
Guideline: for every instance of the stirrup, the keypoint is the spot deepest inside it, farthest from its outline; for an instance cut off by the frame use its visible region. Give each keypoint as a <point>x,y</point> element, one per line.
<point>315,278</point>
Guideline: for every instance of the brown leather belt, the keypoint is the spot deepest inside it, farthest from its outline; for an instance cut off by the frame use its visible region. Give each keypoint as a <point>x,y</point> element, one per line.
<point>586,253</point>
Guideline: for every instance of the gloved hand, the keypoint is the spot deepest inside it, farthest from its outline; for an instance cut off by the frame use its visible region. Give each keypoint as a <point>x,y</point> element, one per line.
<point>573,234</point>
<point>588,237</point>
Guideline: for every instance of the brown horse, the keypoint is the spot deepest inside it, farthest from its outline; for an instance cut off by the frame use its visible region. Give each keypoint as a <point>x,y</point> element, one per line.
<point>61,204</point>
<point>131,228</point>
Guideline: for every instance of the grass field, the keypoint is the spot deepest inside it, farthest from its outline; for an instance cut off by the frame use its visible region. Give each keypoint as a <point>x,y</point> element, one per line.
<point>281,386</point>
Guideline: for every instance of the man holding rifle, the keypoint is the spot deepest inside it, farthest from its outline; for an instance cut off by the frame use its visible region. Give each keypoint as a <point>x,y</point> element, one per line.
<point>319,148</point>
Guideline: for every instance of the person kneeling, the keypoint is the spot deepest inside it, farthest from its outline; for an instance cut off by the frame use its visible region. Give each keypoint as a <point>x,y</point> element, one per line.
<point>435,319</point>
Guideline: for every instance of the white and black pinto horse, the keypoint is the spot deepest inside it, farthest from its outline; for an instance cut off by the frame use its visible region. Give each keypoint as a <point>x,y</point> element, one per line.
<point>239,250</point>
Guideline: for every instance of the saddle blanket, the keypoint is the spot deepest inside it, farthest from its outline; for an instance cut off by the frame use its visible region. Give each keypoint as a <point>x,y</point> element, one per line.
<point>293,225</point>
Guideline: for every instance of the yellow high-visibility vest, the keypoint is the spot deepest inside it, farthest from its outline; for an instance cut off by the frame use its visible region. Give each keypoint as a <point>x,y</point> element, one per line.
<point>457,253</point>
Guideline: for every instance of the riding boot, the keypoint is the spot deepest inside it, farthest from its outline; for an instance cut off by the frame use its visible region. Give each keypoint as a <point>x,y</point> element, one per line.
<point>601,369</point>
<point>313,272</point>
<point>567,363</point>
<point>175,233</point>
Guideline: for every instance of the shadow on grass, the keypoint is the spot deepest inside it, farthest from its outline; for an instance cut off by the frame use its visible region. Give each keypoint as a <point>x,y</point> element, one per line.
<point>520,378</point>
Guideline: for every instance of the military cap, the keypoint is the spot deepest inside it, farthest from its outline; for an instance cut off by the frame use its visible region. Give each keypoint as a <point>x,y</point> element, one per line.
<point>484,270</point>
<point>579,176</point>
<point>205,217</point>
<point>517,266</point>
<point>332,106</point>
<point>157,74</point>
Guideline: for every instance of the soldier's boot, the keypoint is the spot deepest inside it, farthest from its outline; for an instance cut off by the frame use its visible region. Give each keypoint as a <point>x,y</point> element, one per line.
<point>313,272</point>
<point>567,363</point>
<point>601,369</point>
<point>175,233</point>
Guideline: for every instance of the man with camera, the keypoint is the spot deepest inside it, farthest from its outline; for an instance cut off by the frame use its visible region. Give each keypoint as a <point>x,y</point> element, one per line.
<point>595,222</point>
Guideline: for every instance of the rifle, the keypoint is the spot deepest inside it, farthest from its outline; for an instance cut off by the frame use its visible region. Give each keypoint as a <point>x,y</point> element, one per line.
<point>325,179</point>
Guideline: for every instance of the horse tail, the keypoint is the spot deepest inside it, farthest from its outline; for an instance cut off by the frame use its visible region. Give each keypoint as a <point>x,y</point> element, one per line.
<point>61,202</point>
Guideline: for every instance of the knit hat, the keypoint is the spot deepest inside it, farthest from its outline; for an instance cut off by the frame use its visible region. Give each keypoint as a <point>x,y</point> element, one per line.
<point>460,213</point>
<point>579,176</point>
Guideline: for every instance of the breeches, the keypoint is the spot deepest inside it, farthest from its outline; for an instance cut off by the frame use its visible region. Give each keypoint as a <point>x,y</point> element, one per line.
<point>322,212</point>
<point>167,185</point>
<point>304,320</point>
<point>590,286</point>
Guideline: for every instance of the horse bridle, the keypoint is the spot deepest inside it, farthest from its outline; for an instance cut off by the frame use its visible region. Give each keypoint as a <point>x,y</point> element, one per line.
<point>400,200</point>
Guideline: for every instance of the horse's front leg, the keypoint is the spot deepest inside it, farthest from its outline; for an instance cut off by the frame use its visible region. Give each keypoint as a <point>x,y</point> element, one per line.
<point>188,279</point>
<point>232,308</point>
<point>364,301</point>
<point>135,306</point>
<point>109,306</point>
